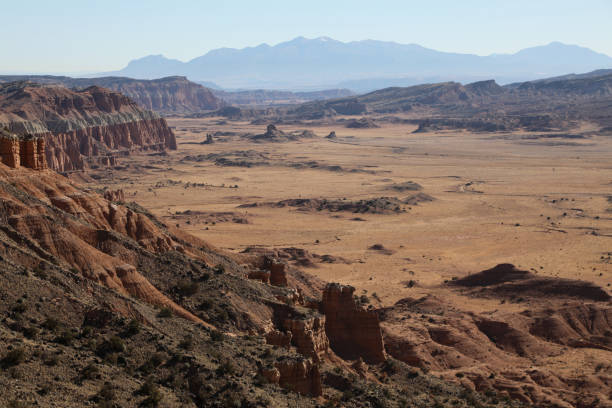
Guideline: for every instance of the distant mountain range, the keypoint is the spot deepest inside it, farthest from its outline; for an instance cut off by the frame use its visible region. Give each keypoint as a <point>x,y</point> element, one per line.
<point>323,63</point>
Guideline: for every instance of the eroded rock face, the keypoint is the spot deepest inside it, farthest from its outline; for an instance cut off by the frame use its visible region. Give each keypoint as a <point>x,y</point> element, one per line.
<point>299,375</point>
<point>115,195</point>
<point>278,275</point>
<point>26,151</point>
<point>32,154</point>
<point>505,352</point>
<point>308,336</point>
<point>80,126</point>
<point>279,338</point>
<point>58,221</point>
<point>9,150</point>
<point>353,331</point>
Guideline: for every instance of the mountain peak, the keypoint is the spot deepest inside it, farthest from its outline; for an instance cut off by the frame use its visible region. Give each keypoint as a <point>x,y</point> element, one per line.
<point>323,62</point>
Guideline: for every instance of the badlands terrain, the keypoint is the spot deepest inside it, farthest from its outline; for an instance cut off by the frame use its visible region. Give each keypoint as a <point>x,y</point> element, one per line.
<point>439,245</point>
<point>403,217</point>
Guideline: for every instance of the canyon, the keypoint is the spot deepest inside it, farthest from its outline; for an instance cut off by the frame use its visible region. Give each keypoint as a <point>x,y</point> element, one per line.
<point>411,259</point>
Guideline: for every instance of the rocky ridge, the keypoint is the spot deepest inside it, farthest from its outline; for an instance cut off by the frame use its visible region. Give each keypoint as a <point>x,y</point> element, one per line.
<point>170,95</point>
<point>81,128</point>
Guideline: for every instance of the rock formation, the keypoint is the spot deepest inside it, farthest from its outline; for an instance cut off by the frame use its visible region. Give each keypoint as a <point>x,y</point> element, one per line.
<point>308,336</point>
<point>299,375</point>
<point>363,123</point>
<point>26,151</point>
<point>114,195</point>
<point>353,331</point>
<point>274,134</point>
<point>79,127</point>
<point>507,351</point>
<point>9,150</point>
<point>165,95</point>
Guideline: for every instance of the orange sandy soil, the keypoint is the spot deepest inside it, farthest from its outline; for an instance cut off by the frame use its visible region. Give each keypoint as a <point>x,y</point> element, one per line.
<point>500,217</point>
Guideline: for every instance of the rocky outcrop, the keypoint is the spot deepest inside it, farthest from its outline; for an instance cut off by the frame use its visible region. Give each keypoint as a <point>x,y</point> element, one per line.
<point>32,153</point>
<point>353,331</point>
<point>26,151</point>
<point>168,95</point>
<point>363,123</point>
<point>268,270</point>
<point>274,134</point>
<point>278,275</point>
<point>115,195</point>
<point>80,127</point>
<point>504,351</point>
<point>506,280</point>
<point>279,338</point>
<point>174,94</point>
<point>9,150</point>
<point>298,375</point>
<point>308,336</point>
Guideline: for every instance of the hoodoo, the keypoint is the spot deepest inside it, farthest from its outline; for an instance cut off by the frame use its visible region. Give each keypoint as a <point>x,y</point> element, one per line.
<point>27,151</point>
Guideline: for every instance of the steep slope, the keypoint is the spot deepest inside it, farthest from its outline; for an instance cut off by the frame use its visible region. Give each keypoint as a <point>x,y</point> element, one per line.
<point>164,95</point>
<point>81,128</point>
<point>105,304</point>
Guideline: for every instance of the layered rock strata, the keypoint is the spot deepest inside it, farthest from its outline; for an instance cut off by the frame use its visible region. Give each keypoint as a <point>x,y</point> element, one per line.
<point>353,331</point>
<point>79,127</point>
<point>22,151</point>
<point>299,375</point>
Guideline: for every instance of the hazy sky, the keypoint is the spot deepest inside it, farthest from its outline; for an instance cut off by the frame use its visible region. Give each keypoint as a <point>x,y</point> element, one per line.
<point>92,36</point>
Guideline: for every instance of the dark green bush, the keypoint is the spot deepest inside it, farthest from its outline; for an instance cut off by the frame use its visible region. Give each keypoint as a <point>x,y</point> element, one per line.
<point>13,358</point>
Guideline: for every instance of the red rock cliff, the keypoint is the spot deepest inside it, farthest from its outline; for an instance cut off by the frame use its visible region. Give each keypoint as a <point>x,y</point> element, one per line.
<point>353,331</point>
<point>81,126</point>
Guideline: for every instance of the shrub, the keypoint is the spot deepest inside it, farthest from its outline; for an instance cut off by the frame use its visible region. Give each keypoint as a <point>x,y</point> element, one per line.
<point>225,368</point>
<point>186,343</point>
<point>19,307</point>
<point>165,312</point>
<point>50,359</point>
<point>216,336</point>
<point>219,269</point>
<point>65,338</point>
<point>13,358</point>
<point>113,345</point>
<point>205,305</point>
<point>106,393</point>
<point>187,288</point>
<point>89,372</point>
<point>390,366</point>
<point>86,331</point>
<point>150,389</point>
<point>132,329</point>
<point>30,332</point>
<point>50,324</point>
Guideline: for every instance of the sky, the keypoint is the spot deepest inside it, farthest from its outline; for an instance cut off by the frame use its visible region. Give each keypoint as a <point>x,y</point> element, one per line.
<point>87,36</point>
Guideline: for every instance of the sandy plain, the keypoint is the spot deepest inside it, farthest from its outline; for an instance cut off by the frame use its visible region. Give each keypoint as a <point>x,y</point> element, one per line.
<point>538,203</point>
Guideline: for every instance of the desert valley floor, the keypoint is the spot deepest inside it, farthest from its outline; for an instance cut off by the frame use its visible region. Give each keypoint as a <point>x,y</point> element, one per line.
<point>539,202</point>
